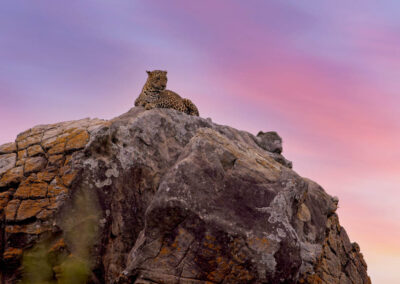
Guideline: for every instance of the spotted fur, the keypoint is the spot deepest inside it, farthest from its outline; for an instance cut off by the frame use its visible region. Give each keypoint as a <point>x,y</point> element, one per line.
<point>154,95</point>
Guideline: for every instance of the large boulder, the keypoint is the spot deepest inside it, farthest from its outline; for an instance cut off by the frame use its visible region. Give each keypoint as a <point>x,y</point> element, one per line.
<point>162,197</point>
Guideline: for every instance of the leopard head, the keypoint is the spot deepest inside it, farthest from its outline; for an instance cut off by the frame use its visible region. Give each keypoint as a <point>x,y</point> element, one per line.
<point>157,79</point>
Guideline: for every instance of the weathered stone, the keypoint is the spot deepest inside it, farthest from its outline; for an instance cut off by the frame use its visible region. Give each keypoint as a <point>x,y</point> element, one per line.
<point>7,162</point>
<point>68,160</point>
<point>29,208</point>
<point>12,176</point>
<point>28,141</point>
<point>55,145</point>
<point>34,164</point>
<point>340,262</point>
<point>69,177</point>
<point>56,160</point>
<point>11,209</point>
<point>304,213</point>
<point>57,149</point>
<point>12,254</point>
<point>269,141</point>
<point>78,141</point>
<point>23,135</point>
<point>8,148</point>
<point>56,188</point>
<point>59,245</point>
<point>32,228</point>
<point>4,198</point>
<point>44,214</point>
<point>23,191</point>
<point>22,154</point>
<point>46,176</point>
<point>57,200</point>
<point>95,127</point>
<point>52,132</point>
<point>38,190</point>
<point>35,150</point>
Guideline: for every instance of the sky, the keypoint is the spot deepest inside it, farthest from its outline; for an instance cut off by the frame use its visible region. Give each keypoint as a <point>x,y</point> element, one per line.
<point>323,74</point>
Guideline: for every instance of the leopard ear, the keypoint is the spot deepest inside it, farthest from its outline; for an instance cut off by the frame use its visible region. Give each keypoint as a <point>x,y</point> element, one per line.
<point>148,72</point>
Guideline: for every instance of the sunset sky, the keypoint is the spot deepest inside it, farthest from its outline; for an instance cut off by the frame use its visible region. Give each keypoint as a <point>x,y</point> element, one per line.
<point>324,74</point>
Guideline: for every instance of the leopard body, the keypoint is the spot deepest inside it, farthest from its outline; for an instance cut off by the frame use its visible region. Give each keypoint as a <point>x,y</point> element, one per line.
<point>155,95</point>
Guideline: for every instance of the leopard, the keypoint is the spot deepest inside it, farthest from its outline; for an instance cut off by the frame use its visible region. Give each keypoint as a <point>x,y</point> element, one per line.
<point>155,95</point>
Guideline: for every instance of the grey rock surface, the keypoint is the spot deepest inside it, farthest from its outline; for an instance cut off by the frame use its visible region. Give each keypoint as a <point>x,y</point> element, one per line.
<point>7,162</point>
<point>173,198</point>
<point>270,141</point>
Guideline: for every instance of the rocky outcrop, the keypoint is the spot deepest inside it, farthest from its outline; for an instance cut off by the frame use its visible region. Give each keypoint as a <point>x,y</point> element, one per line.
<point>162,197</point>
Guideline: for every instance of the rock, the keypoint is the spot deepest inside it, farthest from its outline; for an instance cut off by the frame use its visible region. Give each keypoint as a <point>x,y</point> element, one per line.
<point>78,141</point>
<point>56,160</point>
<point>30,208</point>
<point>23,142</point>
<point>12,255</point>
<point>38,190</point>
<point>8,148</point>
<point>4,199</point>
<point>269,141</point>
<point>7,162</point>
<point>56,188</point>
<point>35,150</point>
<point>162,197</point>
<point>340,261</point>
<point>303,213</point>
<point>11,209</point>
<point>12,176</point>
<point>35,164</point>
<point>47,175</point>
<point>23,191</point>
<point>22,155</point>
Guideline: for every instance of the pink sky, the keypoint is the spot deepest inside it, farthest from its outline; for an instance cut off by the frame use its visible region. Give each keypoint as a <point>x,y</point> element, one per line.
<point>323,75</point>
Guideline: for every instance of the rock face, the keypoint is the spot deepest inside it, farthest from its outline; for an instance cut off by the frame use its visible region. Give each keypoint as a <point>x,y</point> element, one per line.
<point>162,197</point>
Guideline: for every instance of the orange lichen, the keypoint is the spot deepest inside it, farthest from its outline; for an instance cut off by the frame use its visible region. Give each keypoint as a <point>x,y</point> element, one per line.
<point>14,175</point>
<point>56,160</point>
<point>55,190</point>
<point>33,229</point>
<point>57,149</point>
<point>11,209</point>
<point>30,208</point>
<point>56,187</point>
<point>23,191</point>
<point>78,141</point>
<point>28,141</point>
<point>58,245</point>
<point>22,154</point>
<point>35,150</point>
<point>38,190</point>
<point>164,251</point>
<point>46,175</point>
<point>34,164</point>
<point>69,178</point>
<point>12,253</point>
<point>8,148</point>
<point>4,198</point>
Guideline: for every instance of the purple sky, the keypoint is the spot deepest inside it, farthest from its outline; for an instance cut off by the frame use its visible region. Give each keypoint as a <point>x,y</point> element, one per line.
<point>322,74</point>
